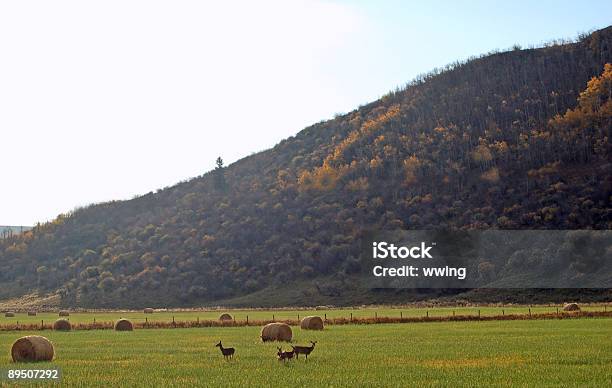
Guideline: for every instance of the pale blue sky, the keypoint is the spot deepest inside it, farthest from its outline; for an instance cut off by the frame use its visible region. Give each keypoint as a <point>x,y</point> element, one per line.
<point>107,100</point>
<point>414,37</point>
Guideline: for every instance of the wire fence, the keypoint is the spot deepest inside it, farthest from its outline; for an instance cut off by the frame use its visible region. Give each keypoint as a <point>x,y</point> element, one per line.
<point>346,320</point>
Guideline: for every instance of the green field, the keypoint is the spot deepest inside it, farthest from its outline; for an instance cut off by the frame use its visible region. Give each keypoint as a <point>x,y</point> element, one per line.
<point>576,352</point>
<point>280,314</point>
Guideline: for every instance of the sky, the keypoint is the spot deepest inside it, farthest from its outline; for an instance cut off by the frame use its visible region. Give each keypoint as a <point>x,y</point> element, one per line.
<point>109,100</point>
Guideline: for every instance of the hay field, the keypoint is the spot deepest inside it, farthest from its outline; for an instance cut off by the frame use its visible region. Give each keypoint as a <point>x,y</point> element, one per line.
<point>499,353</point>
<point>282,314</point>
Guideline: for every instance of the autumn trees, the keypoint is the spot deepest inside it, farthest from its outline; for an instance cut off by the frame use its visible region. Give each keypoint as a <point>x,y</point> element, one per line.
<point>504,141</point>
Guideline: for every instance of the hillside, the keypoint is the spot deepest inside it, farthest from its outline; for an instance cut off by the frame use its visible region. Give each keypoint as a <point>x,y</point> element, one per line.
<point>512,140</point>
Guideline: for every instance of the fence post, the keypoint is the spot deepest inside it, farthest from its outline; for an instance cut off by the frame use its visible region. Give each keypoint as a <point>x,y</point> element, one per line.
<point>42,324</point>
<point>326,316</point>
<point>298,317</point>
<point>453,313</point>
<point>529,311</point>
<point>273,317</point>
<point>173,322</point>
<point>427,313</point>
<point>146,322</point>
<point>503,312</point>
<point>247,320</point>
<point>478,313</point>
<point>401,315</point>
<point>351,317</point>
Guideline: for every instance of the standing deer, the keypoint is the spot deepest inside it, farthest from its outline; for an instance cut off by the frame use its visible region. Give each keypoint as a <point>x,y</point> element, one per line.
<point>228,353</point>
<point>305,350</point>
<point>282,356</point>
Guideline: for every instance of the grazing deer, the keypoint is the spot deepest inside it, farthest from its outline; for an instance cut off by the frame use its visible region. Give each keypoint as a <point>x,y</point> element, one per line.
<point>227,352</point>
<point>282,356</point>
<point>305,350</point>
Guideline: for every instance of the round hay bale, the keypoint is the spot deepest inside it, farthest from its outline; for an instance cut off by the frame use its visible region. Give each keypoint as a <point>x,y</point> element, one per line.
<point>312,323</point>
<point>148,310</point>
<point>571,307</point>
<point>9,314</point>
<point>32,348</point>
<point>276,331</point>
<point>124,325</point>
<point>62,325</point>
<point>64,313</point>
<point>31,313</point>
<point>225,317</point>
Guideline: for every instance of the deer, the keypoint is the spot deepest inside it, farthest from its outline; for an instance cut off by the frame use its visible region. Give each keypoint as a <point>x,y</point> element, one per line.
<point>305,350</point>
<point>282,356</point>
<point>228,353</point>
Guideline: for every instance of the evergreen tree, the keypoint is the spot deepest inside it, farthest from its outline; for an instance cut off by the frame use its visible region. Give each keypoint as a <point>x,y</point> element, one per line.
<point>220,183</point>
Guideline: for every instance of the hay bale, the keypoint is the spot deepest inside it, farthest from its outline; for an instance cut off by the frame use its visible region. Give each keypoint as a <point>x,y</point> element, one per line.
<point>124,325</point>
<point>64,313</point>
<point>31,313</point>
<point>9,314</point>
<point>321,308</point>
<point>571,307</point>
<point>276,331</point>
<point>148,310</point>
<point>62,325</point>
<point>32,348</point>
<point>225,317</point>
<point>312,323</point>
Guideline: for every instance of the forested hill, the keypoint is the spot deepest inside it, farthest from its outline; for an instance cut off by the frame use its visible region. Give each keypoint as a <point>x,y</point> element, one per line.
<point>516,140</point>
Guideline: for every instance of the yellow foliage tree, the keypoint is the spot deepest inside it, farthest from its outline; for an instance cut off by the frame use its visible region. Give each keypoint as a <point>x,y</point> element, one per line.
<point>411,167</point>
<point>594,104</point>
<point>323,178</point>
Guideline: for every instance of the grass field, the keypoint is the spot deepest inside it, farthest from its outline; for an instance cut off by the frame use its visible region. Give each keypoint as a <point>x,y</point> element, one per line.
<point>533,353</point>
<point>281,314</point>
